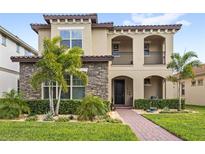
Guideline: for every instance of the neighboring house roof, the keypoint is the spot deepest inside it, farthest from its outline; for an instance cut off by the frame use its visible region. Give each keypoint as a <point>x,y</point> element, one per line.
<point>16,39</point>
<point>31,59</point>
<point>95,24</point>
<point>199,70</point>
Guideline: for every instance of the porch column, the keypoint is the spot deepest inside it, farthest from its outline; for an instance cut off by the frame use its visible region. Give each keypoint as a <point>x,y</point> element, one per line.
<point>138,87</point>
<point>164,89</point>
<point>169,89</point>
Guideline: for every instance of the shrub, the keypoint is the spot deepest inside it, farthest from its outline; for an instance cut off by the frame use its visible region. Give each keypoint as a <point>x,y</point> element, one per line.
<point>42,106</point>
<point>91,107</point>
<point>110,120</point>
<point>48,117</point>
<point>71,117</point>
<point>158,103</point>
<point>62,119</point>
<point>32,118</point>
<point>13,105</point>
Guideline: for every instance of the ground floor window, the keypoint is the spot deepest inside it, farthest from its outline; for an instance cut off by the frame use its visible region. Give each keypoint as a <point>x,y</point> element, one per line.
<point>76,89</point>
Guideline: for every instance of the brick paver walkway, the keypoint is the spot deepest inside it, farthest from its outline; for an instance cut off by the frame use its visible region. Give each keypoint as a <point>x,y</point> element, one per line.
<point>144,129</point>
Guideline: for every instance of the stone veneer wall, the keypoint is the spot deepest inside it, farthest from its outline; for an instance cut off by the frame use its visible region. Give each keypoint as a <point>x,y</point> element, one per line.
<point>97,80</point>
<point>26,71</point>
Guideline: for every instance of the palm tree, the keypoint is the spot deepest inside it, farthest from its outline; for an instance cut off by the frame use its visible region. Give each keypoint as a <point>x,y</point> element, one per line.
<point>55,63</point>
<point>182,67</point>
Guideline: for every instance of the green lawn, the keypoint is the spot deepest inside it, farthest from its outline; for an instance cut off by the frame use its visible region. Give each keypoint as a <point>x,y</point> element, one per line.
<point>65,131</point>
<point>188,126</point>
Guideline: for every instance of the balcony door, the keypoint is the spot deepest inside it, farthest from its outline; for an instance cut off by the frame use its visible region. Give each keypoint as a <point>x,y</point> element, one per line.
<point>119,91</point>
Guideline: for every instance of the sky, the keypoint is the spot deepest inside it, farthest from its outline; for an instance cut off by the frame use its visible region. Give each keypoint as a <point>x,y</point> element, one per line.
<point>190,38</point>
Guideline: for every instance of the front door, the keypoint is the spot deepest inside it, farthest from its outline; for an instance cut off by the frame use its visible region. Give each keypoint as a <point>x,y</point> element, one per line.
<point>119,91</point>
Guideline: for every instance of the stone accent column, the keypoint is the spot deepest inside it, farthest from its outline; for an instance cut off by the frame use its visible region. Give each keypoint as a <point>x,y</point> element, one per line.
<point>26,72</point>
<point>97,79</point>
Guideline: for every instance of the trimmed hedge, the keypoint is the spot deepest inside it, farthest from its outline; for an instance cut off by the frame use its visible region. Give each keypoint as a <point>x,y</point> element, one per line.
<point>42,106</point>
<point>66,106</point>
<point>158,103</point>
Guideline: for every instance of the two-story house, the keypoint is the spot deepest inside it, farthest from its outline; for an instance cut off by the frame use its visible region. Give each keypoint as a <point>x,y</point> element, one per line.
<point>123,63</point>
<point>11,45</point>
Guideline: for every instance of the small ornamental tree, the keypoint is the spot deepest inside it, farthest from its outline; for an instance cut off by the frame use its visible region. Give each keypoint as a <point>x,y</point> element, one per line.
<point>182,67</point>
<point>57,61</point>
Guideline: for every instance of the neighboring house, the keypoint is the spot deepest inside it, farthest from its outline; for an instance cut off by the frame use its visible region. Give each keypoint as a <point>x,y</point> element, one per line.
<point>193,90</point>
<point>123,63</point>
<point>11,45</point>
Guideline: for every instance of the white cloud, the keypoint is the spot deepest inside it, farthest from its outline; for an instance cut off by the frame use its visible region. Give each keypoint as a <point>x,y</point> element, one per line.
<point>184,22</point>
<point>152,19</point>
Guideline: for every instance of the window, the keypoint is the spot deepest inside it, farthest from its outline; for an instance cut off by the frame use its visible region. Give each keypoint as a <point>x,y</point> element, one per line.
<point>200,82</point>
<point>46,90</point>
<point>183,89</point>
<point>3,40</point>
<point>71,38</point>
<point>17,48</point>
<point>146,49</point>
<point>76,89</point>
<point>193,83</point>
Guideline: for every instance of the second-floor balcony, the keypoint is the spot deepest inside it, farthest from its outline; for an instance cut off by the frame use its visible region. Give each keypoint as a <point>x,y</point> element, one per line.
<point>122,50</point>
<point>154,50</point>
<point>122,58</point>
<point>154,57</point>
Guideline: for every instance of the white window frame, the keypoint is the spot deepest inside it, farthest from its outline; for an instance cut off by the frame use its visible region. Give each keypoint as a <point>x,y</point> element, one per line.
<point>70,87</point>
<point>70,29</point>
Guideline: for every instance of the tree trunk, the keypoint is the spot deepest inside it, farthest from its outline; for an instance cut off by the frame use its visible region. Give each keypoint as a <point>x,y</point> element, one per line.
<point>179,96</point>
<point>58,102</point>
<point>51,98</point>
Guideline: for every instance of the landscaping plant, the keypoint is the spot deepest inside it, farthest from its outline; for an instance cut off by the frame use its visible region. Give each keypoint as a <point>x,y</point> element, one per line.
<point>182,67</point>
<point>13,105</point>
<point>91,107</point>
<point>57,61</point>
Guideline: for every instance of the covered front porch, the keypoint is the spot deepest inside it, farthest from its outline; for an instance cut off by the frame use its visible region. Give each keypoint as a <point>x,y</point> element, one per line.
<point>125,90</point>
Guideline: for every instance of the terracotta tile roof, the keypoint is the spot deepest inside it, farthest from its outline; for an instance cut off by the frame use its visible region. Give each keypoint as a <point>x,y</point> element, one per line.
<point>103,25</point>
<point>92,16</point>
<point>199,70</point>
<point>33,59</point>
<point>173,26</point>
<point>36,27</point>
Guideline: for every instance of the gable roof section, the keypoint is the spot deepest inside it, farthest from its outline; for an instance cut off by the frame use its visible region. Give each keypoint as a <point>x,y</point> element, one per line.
<point>92,16</point>
<point>36,27</point>
<point>95,24</point>
<point>17,40</point>
<point>141,27</point>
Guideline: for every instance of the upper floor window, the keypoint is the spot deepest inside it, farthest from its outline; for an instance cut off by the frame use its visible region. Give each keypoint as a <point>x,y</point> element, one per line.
<point>17,48</point>
<point>3,41</point>
<point>71,38</point>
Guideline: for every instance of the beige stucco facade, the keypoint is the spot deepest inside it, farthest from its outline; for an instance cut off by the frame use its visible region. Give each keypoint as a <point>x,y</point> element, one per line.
<point>98,41</point>
<point>193,94</point>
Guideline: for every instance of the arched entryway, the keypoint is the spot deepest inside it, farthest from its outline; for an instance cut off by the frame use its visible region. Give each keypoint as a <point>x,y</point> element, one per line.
<point>154,50</point>
<point>154,87</point>
<point>122,50</point>
<point>122,91</point>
